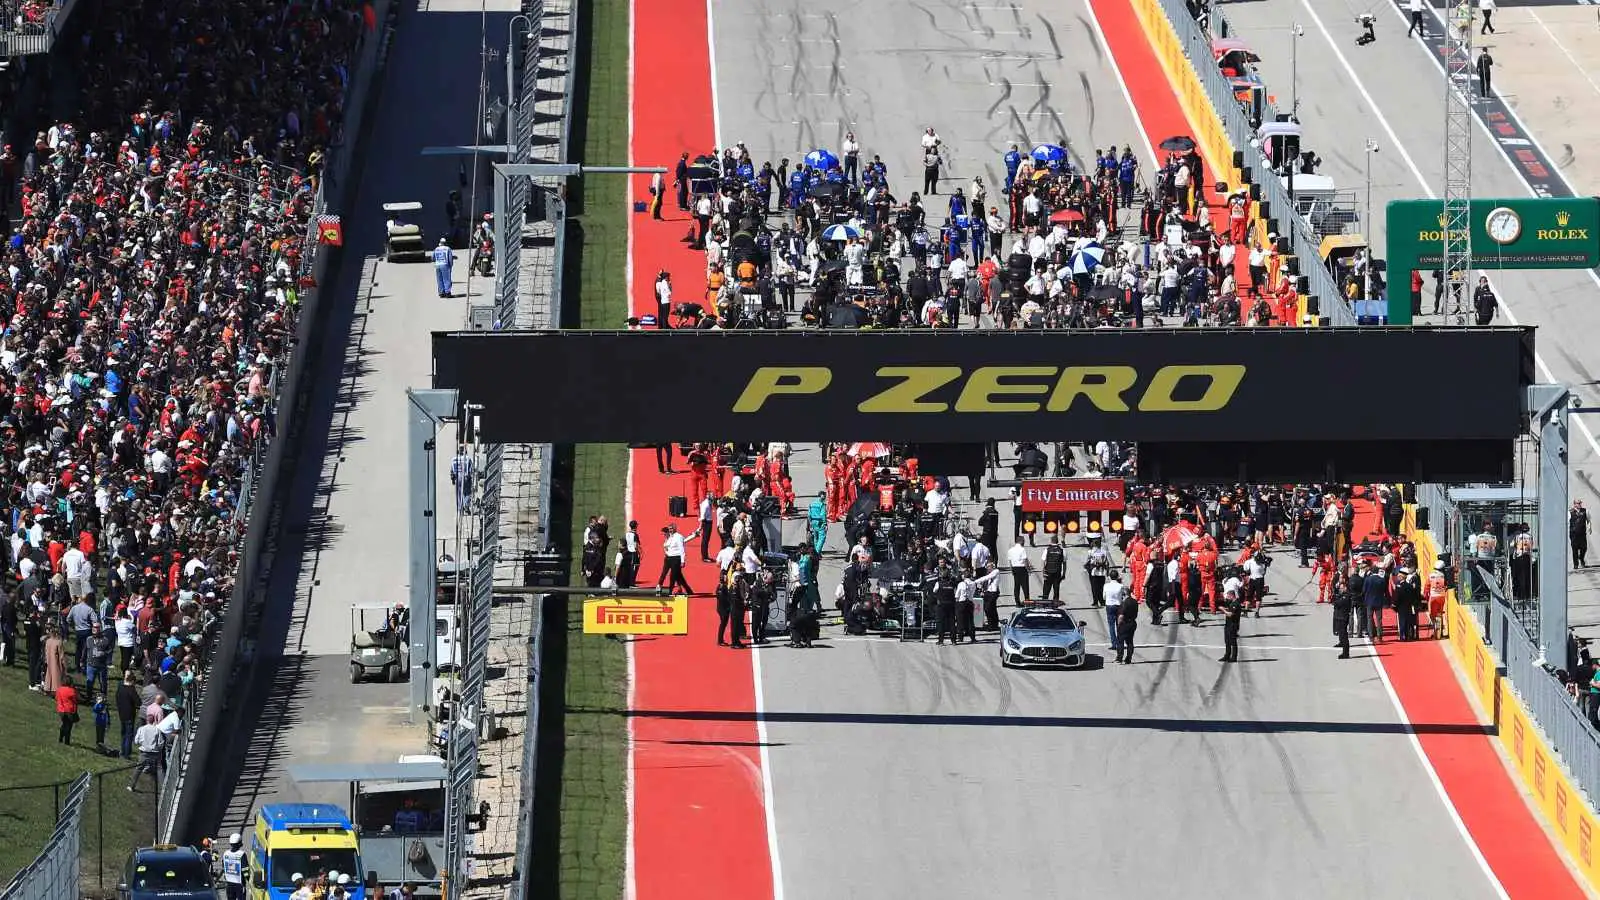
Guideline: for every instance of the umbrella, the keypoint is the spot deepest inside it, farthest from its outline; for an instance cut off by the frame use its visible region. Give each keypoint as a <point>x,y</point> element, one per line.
<point>869,449</point>
<point>841,232</point>
<point>1178,537</point>
<point>1049,154</point>
<point>821,159</point>
<point>1062,216</point>
<point>1087,259</point>
<point>1178,144</point>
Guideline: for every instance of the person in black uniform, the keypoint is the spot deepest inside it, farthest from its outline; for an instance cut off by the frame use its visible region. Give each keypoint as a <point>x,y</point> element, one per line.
<point>761,595</point>
<point>1127,624</point>
<point>738,600</point>
<point>989,529</point>
<point>724,607</point>
<point>1578,534</point>
<point>1055,569</point>
<point>1196,586</point>
<point>1155,587</point>
<point>1343,604</point>
<point>680,180</point>
<point>1231,612</point>
<point>945,604</point>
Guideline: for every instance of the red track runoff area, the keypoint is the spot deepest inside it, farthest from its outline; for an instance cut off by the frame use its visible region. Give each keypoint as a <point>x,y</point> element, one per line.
<point>1481,788</point>
<point>698,821</point>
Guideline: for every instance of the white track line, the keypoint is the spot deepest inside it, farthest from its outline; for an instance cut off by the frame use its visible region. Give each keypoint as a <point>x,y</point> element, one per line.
<point>769,808</point>
<point>1144,133</point>
<point>630,885</point>
<point>1534,14</point>
<point>1377,663</point>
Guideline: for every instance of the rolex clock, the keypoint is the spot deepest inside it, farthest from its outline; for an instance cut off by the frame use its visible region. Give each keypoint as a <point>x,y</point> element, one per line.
<point>1503,225</point>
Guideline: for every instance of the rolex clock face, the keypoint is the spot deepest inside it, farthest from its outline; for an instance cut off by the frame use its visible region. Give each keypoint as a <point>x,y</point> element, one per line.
<point>1503,225</point>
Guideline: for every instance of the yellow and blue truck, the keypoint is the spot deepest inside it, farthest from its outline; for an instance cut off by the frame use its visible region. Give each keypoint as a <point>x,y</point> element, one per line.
<point>305,839</point>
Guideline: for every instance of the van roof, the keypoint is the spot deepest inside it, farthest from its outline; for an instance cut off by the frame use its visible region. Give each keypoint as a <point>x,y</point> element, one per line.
<point>283,816</point>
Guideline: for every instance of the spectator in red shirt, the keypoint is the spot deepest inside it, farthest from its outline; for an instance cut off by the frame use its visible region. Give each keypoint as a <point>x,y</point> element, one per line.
<point>67,708</point>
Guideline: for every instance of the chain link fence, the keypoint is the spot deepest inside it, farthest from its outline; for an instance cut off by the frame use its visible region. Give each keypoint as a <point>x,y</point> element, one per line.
<point>112,820</point>
<point>53,874</point>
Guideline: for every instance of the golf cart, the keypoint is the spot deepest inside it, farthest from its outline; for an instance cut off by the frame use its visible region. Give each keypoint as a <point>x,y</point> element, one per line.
<point>379,645</point>
<point>403,238</point>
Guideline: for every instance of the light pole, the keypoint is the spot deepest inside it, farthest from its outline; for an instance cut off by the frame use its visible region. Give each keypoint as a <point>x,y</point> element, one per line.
<point>512,55</point>
<point>1366,213</point>
<point>1296,32</point>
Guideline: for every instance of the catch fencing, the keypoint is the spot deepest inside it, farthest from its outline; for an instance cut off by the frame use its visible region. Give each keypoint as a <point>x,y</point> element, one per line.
<point>1304,242</point>
<point>228,651</point>
<point>53,874</point>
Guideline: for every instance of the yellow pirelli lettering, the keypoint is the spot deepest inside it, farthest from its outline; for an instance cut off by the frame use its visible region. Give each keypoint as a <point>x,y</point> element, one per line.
<point>777,381</point>
<point>915,383</point>
<point>986,386</point>
<point>1101,385</point>
<point>1221,383</point>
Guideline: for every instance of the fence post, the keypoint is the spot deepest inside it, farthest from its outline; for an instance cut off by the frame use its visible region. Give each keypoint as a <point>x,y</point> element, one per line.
<point>55,791</point>
<point>100,826</point>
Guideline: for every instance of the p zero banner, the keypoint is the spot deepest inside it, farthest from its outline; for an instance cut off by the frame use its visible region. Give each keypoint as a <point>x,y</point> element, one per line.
<point>636,615</point>
<point>1174,386</point>
<point>1063,495</point>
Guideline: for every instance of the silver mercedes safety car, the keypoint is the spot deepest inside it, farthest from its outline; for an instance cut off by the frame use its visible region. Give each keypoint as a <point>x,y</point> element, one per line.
<point>1043,636</point>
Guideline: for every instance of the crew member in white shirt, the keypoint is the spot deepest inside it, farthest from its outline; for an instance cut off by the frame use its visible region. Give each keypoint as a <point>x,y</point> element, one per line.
<point>672,550</point>
<point>1017,559</point>
<point>966,622</point>
<point>1255,587</point>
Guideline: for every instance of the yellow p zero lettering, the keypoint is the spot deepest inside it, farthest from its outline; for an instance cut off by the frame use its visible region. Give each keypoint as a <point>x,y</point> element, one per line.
<point>1221,383</point>
<point>1101,385</point>
<point>988,383</point>
<point>772,381</point>
<point>916,382</point>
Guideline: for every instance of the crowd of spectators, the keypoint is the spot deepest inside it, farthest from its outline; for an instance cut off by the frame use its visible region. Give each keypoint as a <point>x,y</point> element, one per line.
<point>152,271</point>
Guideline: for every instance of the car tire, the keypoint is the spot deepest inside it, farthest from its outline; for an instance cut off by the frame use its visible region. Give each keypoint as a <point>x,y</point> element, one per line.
<point>393,673</point>
<point>355,673</point>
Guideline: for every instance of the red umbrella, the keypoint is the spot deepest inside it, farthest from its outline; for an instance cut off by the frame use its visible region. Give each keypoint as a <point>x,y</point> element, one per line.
<point>1063,216</point>
<point>869,449</point>
<point>1177,537</point>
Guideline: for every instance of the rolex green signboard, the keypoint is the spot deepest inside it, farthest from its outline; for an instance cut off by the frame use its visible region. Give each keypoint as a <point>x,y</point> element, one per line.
<point>1504,233</point>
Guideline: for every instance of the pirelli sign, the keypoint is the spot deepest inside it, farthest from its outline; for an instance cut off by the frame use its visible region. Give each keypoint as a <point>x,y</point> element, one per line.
<point>632,615</point>
<point>1169,385</point>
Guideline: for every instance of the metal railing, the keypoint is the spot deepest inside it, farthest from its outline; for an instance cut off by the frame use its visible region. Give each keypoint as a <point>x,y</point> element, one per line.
<point>53,874</point>
<point>1303,240</point>
<point>29,27</point>
<point>1554,710</point>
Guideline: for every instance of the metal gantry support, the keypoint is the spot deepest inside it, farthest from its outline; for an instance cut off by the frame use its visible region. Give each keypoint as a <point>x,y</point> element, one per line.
<point>426,410</point>
<point>1457,224</point>
<point>1549,407</point>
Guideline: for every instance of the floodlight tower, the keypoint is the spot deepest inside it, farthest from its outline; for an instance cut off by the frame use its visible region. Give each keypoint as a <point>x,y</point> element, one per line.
<point>1457,224</point>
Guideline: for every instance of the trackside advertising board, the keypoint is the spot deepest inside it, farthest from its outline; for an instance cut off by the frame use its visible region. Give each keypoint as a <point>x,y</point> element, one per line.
<point>636,615</point>
<point>1155,385</point>
<point>1067,495</point>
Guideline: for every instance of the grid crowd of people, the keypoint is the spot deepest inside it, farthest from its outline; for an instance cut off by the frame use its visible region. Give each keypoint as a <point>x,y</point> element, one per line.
<point>153,267</point>
<point>1062,243</point>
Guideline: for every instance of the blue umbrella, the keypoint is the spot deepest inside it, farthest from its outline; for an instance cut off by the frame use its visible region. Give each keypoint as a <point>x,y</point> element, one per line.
<point>1049,154</point>
<point>841,232</point>
<point>821,159</point>
<point>1087,259</point>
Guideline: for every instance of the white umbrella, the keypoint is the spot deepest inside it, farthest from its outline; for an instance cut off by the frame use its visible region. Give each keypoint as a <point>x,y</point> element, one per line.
<point>841,233</point>
<point>1087,259</point>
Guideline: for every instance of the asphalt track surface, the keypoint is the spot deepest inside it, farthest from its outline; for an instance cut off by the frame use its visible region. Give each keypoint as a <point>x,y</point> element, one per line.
<point>904,769</point>
<point>346,542</point>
